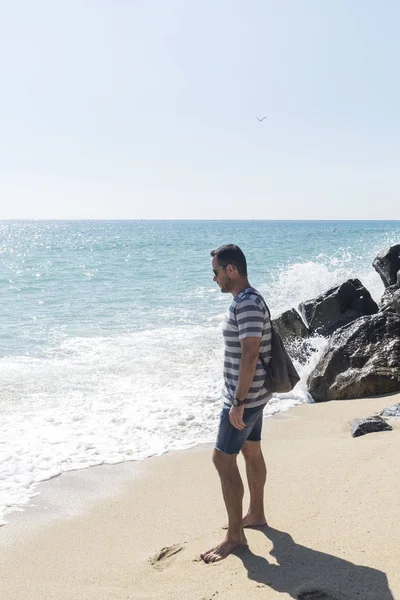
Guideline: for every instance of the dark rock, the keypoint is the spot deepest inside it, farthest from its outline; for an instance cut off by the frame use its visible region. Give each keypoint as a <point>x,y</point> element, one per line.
<point>301,349</point>
<point>386,303</point>
<point>294,335</point>
<point>337,307</point>
<point>391,300</point>
<point>368,425</point>
<point>290,326</point>
<point>391,411</point>
<point>396,301</point>
<point>387,264</point>
<point>307,309</point>
<point>361,360</point>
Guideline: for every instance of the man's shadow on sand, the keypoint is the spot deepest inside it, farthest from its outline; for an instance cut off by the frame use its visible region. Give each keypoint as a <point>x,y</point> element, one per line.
<point>307,574</point>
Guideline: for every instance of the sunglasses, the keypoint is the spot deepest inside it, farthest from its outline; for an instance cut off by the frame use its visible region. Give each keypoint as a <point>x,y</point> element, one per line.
<point>215,271</point>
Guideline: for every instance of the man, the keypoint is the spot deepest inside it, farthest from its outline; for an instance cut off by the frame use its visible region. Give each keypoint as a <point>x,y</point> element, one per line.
<point>247,336</point>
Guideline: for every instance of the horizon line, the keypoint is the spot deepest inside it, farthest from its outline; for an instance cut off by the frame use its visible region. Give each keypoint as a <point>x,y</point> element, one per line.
<point>89,219</point>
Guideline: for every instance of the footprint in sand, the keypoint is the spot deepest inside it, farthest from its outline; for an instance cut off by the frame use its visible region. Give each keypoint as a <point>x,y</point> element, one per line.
<point>163,557</point>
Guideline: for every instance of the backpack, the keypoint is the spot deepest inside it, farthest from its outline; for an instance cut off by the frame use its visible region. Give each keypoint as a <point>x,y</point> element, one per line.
<point>281,375</point>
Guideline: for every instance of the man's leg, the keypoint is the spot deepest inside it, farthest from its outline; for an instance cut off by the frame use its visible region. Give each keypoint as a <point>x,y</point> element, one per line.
<point>256,472</point>
<point>232,490</point>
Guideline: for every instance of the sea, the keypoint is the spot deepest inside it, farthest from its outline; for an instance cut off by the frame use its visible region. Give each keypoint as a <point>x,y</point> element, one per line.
<point>110,331</point>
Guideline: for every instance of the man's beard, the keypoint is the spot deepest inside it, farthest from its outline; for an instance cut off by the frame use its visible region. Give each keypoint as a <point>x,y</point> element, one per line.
<point>226,287</point>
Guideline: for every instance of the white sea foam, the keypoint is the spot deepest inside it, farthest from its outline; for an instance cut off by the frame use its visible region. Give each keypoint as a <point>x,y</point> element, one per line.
<point>294,283</point>
<point>109,399</point>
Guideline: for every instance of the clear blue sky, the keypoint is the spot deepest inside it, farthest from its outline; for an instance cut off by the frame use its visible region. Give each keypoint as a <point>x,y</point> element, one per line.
<point>147,109</point>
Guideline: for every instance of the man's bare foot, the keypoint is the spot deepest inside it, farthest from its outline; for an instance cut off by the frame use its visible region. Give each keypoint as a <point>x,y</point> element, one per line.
<point>222,550</point>
<point>251,520</point>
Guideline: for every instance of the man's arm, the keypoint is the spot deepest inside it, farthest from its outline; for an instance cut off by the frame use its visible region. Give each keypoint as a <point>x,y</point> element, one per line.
<point>248,362</point>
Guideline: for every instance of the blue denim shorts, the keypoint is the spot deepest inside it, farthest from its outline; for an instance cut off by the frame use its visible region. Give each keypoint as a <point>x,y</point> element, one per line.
<point>229,439</point>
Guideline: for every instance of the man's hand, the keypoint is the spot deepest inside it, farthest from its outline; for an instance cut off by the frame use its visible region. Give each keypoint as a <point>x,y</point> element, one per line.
<point>236,417</point>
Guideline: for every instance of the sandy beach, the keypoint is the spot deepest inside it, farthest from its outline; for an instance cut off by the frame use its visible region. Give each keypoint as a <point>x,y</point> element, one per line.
<point>135,531</point>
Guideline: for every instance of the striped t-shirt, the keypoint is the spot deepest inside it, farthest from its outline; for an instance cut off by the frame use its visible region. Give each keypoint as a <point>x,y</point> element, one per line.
<point>248,316</point>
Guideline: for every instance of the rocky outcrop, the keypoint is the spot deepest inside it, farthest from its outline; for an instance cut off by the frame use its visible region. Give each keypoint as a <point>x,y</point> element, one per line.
<point>387,264</point>
<point>294,334</point>
<point>391,300</point>
<point>368,425</point>
<point>337,307</point>
<point>391,412</point>
<point>363,354</point>
<point>290,326</point>
<point>396,301</point>
<point>362,359</point>
<point>386,302</point>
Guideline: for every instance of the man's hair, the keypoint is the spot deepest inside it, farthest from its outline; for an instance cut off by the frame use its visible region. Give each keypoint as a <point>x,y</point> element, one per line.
<point>230,254</point>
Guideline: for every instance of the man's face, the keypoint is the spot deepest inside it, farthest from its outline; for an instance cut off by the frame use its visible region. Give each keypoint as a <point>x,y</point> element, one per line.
<point>221,276</point>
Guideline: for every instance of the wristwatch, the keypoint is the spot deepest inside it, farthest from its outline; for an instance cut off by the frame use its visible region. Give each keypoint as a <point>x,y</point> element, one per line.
<point>237,402</point>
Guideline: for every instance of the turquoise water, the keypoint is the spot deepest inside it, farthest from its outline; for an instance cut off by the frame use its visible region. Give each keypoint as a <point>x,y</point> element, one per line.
<point>61,279</point>
<point>110,341</point>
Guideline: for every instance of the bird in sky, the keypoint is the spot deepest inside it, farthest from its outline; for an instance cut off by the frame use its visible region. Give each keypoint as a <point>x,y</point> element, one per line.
<point>261,119</point>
